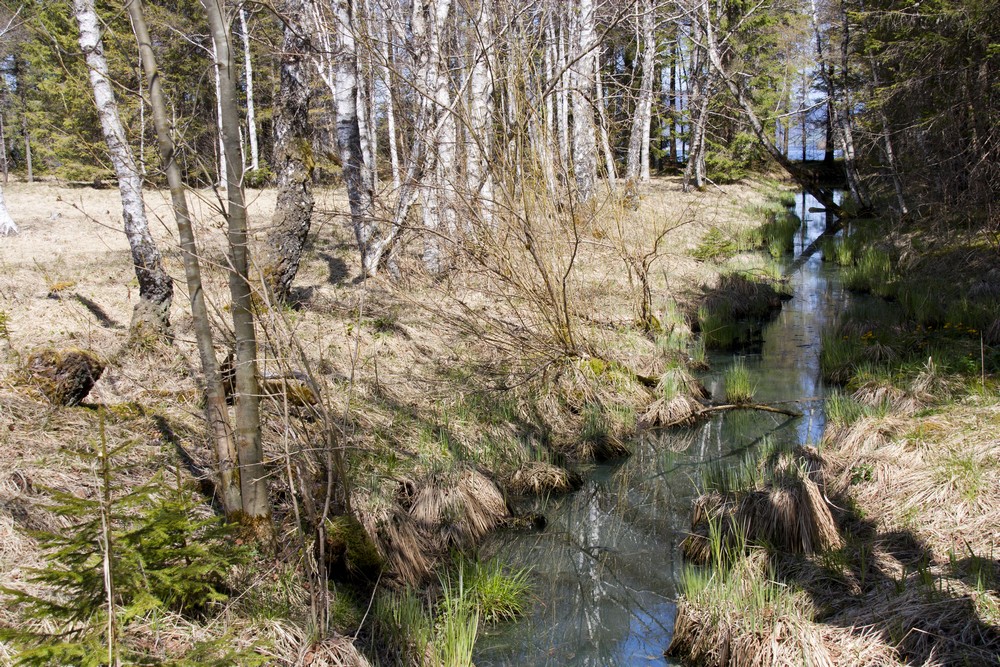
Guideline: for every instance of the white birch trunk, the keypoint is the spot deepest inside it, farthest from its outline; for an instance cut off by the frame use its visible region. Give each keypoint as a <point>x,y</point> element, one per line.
<point>582,77</point>
<point>479,147</point>
<point>564,86</point>
<point>218,111</point>
<point>441,139</point>
<point>251,114</point>
<point>637,164</point>
<point>390,110</point>
<point>155,286</point>
<point>363,99</point>
<point>345,88</point>
<point>7,224</point>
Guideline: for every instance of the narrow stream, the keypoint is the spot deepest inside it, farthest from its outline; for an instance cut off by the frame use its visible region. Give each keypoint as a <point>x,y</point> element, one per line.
<point>604,570</point>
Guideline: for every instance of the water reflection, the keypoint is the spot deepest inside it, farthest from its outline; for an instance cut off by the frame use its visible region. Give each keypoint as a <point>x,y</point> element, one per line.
<point>605,568</point>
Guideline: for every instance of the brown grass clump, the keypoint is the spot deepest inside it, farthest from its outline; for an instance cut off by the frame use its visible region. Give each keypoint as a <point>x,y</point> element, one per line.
<point>540,478</point>
<point>64,376</point>
<point>336,651</point>
<point>680,410</point>
<point>596,450</point>
<point>406,550</point>
<point>867,434</point>
<point>740,618</point>
<point>788,512</point>
<point>456,508</point>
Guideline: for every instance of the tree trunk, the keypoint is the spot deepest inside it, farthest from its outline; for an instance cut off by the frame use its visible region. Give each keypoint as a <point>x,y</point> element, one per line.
<point>359,193</point>
<point>3,146</point>
<point>248,73</point>
<point>292,218</point>
<point>253,479</point>
<point>610,173</point>
<point>18,70</point>
<point>674,107</point>
<point>698,99</point>
<point>479,148</point>
<point>636,167</point>
<point>582,86</point>
<point>216,411</point>
<point>220,181</point>
<point>7,225</point>
<point>156,289</point>
<point>564,86</point>
<point>388,54</point>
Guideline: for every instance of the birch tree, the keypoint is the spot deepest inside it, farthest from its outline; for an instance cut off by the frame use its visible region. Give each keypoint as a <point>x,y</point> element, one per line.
<point>480,144</point>
<point>582,86</point>
<point>7,224</point>
<point>637,162</point>
<point>292,146</point>
<point>216,412</point>
<point>248,75</point>
<point>155,286</point>
<point>344,84</point>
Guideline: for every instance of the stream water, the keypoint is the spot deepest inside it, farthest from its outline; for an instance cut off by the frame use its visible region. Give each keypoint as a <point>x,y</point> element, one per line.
<point>605,568</point>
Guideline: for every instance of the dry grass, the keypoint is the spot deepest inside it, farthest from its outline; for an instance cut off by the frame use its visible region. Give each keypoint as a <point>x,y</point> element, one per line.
<point>741,618</point>
<point>941,481</point>
<point>456,508</point>
<point>540,478</point>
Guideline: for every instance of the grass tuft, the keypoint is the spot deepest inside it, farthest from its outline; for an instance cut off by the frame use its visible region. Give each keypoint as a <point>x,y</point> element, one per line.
<point>740,387</point>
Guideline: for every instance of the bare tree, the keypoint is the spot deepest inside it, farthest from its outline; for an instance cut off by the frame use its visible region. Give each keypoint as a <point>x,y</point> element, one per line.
<point>155,286</point>
<point>253,484</point>
<point>292,143</point>
<point>216,411</point>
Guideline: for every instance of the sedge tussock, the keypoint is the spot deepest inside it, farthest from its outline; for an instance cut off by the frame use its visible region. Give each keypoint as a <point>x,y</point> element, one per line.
<point>741,617</point>
<point>458,507</point>
<point>540,478</point>
<point>335,651</point>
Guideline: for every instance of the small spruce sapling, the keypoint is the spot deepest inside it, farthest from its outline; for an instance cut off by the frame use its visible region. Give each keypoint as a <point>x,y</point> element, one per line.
<point>126,554</point>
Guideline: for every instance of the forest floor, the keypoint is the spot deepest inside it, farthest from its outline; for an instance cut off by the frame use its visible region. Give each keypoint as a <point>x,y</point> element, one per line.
<point>424,376</point>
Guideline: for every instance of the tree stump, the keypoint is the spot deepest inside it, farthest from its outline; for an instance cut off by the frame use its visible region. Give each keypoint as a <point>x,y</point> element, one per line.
<point>64,376</point>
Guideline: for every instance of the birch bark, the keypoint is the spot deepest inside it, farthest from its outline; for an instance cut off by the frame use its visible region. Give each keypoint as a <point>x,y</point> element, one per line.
<point>7,224</point>
<point>480,144</point>
<point>251,112</point>
<point>636,166</point>
<point>156,289</point>
<point>582,86</point>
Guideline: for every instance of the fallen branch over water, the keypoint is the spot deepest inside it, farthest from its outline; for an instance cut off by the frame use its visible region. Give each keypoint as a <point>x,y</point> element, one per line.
<point>688,419</point>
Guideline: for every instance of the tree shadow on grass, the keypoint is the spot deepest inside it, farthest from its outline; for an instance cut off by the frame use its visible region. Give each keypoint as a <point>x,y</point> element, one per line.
<point>889,582</point>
